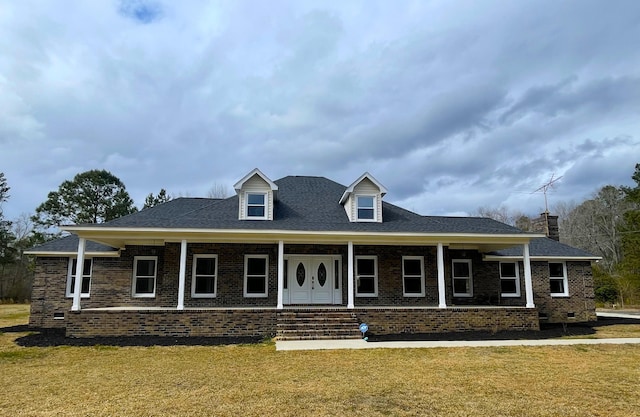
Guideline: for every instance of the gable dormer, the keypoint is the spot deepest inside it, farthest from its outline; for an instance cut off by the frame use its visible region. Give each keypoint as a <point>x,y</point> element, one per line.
<point>362,200</point>
<point>256,194</point>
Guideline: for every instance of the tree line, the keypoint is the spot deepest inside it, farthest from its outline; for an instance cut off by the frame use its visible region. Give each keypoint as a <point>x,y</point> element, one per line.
<point>606,225</point>
<point>94,196</point>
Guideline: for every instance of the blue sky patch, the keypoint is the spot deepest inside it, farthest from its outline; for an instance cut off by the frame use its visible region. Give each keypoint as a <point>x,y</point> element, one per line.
<point>140,10</point>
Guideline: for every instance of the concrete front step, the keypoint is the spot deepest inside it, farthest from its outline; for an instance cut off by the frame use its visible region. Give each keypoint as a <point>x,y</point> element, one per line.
<point>317,337</point>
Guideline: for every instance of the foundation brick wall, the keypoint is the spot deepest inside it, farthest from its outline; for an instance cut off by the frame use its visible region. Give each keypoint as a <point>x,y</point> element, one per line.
<point>172,323</point>
<point>262,322</point>
<point>407,320</point>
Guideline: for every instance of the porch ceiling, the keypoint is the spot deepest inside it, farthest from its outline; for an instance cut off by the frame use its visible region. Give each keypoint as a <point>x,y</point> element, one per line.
<point>120,237</point>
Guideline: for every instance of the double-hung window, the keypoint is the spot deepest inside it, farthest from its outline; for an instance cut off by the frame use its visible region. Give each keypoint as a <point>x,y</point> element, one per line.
<point>256,205</point>
<point>509,279</point>
<point>558,279</point>
<point>413,276</point>
<point>256,269</point>
<point>204,276</point>
<point>462,278</point>
<point>366,276</point>
<point>366,207</point>
<point>145,269</point>
<point>85,288</point>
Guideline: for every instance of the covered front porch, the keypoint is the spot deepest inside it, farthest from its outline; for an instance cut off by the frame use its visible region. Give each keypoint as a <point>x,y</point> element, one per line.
<point>410,271</point>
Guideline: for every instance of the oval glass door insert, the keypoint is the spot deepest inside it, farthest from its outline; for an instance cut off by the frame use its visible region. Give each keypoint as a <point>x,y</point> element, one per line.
<point>322,274</point>
<point>300,274</point>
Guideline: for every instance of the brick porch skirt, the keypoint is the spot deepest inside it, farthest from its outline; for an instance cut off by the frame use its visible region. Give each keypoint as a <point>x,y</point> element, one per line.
<point>262,321</point>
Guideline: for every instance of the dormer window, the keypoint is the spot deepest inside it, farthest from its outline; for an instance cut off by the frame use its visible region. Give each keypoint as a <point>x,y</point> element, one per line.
<point>366,207</point>
<point>362,200</point>
<point>256,196</point>
<point>256,205</point>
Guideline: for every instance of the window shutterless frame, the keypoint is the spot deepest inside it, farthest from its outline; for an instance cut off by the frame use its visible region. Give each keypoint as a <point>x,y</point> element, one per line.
<point>366,208</point>
<point>145,269</point>
<point>256,276</point>
<point>462,278</point>
<point>413,276</point>
<point>366,276</point>
<point>87,270</point>
<point>204,276</point>
<point>558,283</point>
<point>509,279</point>
<point>256,205</point>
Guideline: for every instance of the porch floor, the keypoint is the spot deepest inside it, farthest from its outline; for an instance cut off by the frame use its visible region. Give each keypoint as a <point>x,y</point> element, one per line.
<point>305,307</point>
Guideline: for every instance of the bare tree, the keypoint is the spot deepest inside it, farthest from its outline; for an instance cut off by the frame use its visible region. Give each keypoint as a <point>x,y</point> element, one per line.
<point>217,191</point>
<point>505,215</point>
<point>595,225</point>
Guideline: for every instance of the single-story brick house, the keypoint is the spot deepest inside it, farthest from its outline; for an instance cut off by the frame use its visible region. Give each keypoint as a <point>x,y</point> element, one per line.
<point>304,257</point>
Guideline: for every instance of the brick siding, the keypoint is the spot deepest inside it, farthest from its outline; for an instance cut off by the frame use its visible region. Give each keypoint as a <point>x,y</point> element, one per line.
<point>262,322</point>
<point>48,293</point>
<point>433,320</point>
<point>111,282</point>
<point>172,323</point>
<point>580,302</point>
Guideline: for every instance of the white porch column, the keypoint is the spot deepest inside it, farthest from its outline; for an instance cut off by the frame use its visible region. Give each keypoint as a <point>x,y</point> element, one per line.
<point>442,300</point>
<point>350,302</point>
<point>280,305</point>
<point>528,285</point>
<point>77,287</point>
<point>182,274</point>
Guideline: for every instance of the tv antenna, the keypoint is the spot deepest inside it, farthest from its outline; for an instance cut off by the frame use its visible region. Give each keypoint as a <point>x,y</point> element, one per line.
<point>545,187</point>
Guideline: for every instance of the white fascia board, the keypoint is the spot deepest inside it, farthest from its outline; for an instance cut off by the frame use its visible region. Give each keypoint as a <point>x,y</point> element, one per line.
<point>238,185</point>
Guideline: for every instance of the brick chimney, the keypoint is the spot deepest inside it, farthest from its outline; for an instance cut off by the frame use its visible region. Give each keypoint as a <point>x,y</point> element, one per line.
<point>546,224</point>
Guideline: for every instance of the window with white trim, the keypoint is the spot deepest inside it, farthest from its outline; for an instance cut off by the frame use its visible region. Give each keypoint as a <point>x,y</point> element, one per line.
<point>462,278</point>
<point>366,207</point>
<point>204,276</point>
<point>413,276</point>
<point>558,279</point>
<point>85,289</point>
<point>366,276</point>
<point>256,205</point>
<point>509,279</point>
<point>145,269</point>
<point>256,269</point>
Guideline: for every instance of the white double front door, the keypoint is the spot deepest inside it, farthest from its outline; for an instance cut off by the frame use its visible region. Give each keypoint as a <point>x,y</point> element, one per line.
<point>312,280</point>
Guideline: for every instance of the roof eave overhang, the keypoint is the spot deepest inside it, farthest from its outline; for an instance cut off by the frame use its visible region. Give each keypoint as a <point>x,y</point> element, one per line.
<point>89,254</point>
<point>119,237</point>
<point>541,258</point>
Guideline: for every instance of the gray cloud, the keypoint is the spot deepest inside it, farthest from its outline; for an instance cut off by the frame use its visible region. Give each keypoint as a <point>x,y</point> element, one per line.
<point>451,105</point>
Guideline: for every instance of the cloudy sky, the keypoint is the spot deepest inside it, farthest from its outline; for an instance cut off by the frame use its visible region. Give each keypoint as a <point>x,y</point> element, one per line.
<point>452,105</point>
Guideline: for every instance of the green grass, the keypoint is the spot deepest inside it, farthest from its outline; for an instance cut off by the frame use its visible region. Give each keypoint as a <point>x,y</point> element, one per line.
<point>255,380</point>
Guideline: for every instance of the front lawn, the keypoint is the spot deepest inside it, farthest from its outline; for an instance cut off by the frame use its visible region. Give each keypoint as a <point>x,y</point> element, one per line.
<point>255,380</point>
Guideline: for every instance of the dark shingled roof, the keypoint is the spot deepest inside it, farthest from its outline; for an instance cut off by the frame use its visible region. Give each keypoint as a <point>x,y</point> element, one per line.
<point>543,246</point>
<point>304,204</point>
<point>70,244</point>
<point>307,204</point>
